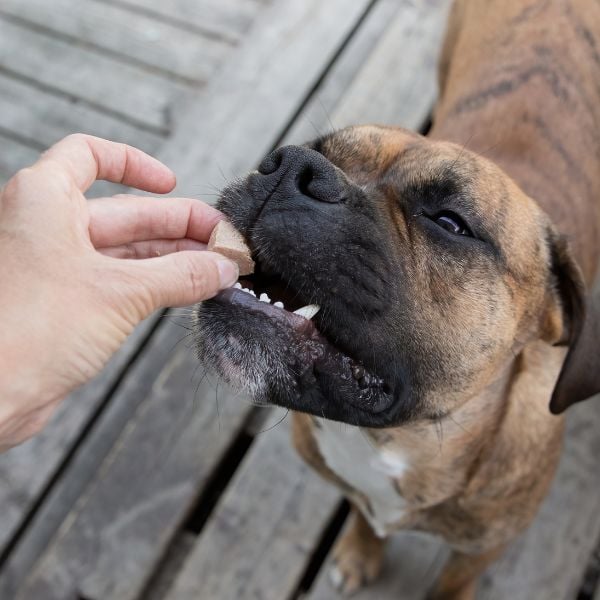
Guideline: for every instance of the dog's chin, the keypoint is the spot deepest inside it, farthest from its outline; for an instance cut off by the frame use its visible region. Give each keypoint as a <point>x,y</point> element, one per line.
<point>281,358</point>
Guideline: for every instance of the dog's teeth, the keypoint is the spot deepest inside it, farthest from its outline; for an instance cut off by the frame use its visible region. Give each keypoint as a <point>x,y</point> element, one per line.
<point>265,298</point>
<point>308,311</point>
<point>251,292</point>
<point>278,304</point>
<point>238,286</point>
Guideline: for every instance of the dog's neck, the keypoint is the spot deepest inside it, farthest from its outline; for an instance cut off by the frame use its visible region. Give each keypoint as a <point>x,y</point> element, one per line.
<point>446,455</point>
<point>525,93</point>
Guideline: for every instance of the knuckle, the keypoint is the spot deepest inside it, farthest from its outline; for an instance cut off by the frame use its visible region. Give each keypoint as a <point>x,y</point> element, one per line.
<point>77,138</point>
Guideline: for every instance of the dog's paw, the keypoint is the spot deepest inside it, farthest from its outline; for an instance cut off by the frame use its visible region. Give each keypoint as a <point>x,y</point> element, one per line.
<point>354,565</point>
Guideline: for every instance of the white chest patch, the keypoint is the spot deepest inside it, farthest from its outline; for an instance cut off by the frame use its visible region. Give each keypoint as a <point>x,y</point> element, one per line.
<point>352,457</point>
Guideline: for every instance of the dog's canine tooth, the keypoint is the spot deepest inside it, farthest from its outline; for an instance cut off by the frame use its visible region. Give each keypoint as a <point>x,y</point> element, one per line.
<point>265,298</point>
<point>278,304</point>
<point>308,311</point>
<point>238,286</point>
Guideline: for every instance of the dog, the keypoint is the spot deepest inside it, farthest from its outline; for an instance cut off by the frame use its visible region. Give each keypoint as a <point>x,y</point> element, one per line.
<point>434,295</point>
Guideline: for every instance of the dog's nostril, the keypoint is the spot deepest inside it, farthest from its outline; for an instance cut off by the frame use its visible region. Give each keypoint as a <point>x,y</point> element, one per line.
<point>270,163</point>
<point>303,181</point>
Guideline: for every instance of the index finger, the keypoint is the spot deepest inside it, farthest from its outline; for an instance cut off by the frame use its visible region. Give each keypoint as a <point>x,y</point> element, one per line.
<point>125,219</point>
<point>86,158</point>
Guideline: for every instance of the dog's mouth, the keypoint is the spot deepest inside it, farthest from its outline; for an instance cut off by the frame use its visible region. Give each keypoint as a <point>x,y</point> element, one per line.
<point>307,330</point>
<point>262,335</point>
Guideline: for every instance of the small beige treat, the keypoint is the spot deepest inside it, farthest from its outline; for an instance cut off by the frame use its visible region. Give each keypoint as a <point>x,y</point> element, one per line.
<point>228,241</point>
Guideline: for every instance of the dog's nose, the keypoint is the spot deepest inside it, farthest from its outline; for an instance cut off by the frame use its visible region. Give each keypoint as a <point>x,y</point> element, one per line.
<point>298,170</point>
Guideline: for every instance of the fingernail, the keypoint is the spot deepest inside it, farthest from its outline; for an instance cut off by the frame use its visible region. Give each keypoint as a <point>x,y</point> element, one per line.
<point>228,273</point>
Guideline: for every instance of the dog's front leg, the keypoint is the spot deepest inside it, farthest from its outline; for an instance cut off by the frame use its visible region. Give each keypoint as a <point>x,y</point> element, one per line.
<point>358,556</point>
<point>458,580</point>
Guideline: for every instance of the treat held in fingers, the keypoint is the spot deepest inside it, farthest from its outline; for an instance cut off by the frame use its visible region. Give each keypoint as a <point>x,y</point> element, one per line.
<point>226,240</point>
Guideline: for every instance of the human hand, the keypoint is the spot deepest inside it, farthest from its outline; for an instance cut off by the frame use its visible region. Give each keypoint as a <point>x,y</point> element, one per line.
<point>78,275</point>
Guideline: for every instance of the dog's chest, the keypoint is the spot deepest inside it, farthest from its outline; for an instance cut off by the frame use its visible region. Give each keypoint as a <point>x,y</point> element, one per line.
<point>368,470</point>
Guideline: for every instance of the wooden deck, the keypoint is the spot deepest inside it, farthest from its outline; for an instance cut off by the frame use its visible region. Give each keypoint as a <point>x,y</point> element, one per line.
<point>153,482</point>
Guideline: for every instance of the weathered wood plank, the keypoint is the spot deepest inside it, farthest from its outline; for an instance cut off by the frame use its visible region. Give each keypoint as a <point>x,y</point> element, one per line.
<point>145,41</point>
<point>255,90</point>
<point>44,118</point>
<point>396,85</point>
<point>142,98</point>
<point>225,18</point>
<point>108,547</point>
<point>278,28</point>
<point>271,515</point>
<point>315,118</point>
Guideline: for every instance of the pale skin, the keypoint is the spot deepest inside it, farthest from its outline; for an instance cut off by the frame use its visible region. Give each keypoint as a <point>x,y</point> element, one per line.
<point>78,275</point>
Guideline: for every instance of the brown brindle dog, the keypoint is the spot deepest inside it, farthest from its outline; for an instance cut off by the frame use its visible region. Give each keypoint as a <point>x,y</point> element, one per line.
<point>445,289</point>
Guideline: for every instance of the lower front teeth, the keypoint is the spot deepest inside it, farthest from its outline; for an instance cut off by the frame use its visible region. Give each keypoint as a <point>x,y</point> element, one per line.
<point>308,311</point>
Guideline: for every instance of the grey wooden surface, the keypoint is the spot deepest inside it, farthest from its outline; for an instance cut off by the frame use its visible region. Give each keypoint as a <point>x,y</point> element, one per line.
<point>225,19</point>
<point>151,482</point>
<point>151,44</point>
<point>281,506</point>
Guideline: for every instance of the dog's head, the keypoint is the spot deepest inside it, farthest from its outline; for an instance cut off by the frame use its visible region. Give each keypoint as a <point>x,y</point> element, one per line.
<point>430,267</point>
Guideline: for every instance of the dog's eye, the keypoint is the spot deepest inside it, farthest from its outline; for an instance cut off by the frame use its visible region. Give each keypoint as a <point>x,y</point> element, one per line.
<point>452,222</point>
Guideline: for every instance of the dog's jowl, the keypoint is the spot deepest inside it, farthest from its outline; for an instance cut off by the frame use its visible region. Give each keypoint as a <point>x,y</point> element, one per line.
<point>437,288</point>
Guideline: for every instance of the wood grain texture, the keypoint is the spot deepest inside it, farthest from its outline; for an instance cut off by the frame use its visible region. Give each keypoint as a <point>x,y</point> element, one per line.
<point>394,84</point>
<point>257,543</point>
<point>142,98</point>
<point>277,66</point>
<point>398,84</point>
<point>149,43</point>
<point>43,118</point>
<point>228,19</point>
<point>316,117</point>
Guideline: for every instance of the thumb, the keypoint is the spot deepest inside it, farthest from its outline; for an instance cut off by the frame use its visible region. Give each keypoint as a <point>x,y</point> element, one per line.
<point>186,277</point>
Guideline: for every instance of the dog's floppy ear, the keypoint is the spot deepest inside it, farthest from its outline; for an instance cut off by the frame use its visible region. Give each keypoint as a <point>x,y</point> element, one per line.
<point>580,374</point>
